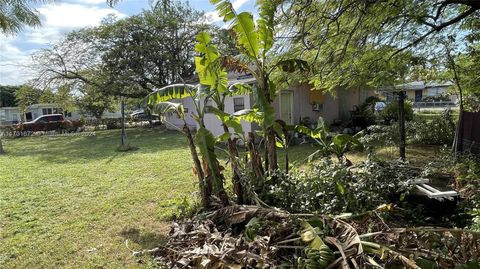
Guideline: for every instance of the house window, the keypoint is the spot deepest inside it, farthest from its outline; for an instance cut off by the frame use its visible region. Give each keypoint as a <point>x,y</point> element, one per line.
<point>28,116</point>
<point>14,117</point>
<point>238,104</point>
<point>46,111</point>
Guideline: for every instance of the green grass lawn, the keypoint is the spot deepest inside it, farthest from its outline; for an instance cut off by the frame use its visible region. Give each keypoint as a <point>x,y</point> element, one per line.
<point>71,202</point>
<point>432,114</point>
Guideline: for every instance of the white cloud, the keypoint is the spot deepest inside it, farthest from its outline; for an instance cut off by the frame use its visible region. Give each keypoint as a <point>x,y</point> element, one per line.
<point>93,2</point>
<point>13,63</point>
<point>67,15</point>
<point>60,19</point>
<point>212,16</point>
<point>57,20</point>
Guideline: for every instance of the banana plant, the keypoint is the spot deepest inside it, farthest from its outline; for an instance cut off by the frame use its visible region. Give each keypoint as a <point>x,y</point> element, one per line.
<point>210,177</point>
<point>255,40</point>
<point>336,144</point>
<point>213,76</point>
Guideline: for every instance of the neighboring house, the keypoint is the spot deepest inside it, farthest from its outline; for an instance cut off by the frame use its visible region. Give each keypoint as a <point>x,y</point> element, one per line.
<point>13,115</point>
<point>292,105</point>
<point>417,91</point>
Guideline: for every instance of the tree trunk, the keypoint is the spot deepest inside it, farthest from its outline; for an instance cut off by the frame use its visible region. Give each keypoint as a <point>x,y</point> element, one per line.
<point>255,162</point>
<point>1,146</point>
<point>401,124</point>
<point>271,150</point>
<point>458,140</point>
<point>204,193</point>
<point>238,187</point>
<point>124,135</point>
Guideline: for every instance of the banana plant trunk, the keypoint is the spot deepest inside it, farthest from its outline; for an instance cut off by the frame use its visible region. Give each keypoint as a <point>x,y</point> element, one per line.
<point>271,150</point>
<point>255,162</point>
<point>401,124</point>
<point>238,187</point>
<point>204,192</point>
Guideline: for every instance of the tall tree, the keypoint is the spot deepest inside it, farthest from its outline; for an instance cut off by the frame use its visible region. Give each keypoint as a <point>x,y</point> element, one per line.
<point>7,95</point>
<point>25,97</point>
<point>332,33</point>
<point>154,48</point>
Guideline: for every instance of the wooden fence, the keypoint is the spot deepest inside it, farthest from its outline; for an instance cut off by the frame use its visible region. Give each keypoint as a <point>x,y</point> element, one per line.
<point>469,133</point>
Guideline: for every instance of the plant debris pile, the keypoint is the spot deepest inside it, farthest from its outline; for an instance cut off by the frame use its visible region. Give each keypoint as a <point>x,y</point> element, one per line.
<point>255,237</point>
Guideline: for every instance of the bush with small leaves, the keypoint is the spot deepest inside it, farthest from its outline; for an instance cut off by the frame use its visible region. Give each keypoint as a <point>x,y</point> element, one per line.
<point>328,187</point>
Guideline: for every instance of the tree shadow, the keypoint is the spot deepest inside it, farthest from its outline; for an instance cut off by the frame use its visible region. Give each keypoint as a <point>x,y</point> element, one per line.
<point>147,240</point>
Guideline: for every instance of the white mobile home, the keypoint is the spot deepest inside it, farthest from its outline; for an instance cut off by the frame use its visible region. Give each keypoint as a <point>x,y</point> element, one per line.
<point>13,115</point>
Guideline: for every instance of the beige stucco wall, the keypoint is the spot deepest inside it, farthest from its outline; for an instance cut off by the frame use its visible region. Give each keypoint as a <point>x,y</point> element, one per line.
<point>336,106</point>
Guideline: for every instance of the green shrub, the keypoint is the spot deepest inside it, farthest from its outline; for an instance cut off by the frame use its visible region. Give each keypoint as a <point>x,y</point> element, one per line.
<point>384,135</point>
<point>438,131</point>
<point>472,102</point>
<point>332,188</point>
<point>468,181</point>
<point>390,113</point>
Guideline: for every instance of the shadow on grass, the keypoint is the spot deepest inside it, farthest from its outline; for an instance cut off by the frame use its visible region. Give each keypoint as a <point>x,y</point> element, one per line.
<point>103,145</point>
<point>146,240</point>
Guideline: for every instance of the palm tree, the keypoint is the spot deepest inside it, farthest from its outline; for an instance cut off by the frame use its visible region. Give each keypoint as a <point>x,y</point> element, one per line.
<point>16,14</point>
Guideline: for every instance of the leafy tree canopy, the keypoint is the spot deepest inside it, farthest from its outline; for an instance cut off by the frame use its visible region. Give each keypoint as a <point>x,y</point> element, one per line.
<point>342,38</point>
<point>7,95</point>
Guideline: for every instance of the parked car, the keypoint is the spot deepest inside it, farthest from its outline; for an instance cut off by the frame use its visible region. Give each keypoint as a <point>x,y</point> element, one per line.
<point>142,116</point>
<point>51,122</point>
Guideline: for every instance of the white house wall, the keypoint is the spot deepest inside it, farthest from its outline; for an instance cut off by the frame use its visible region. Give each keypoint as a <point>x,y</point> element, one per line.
<point>212,123</point>
<point>215,125</point>
<point>174,122</point>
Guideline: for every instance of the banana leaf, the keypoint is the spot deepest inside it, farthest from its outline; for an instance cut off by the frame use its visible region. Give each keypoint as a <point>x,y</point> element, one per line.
<point>167,93</point>
<point>205,141</point>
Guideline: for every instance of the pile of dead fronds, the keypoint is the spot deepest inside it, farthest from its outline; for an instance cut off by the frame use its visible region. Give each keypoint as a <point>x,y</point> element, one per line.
<point>255,237</point>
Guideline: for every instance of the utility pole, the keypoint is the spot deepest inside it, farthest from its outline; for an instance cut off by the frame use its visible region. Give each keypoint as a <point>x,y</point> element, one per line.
<point>401,124</point>
<point>124,134</point>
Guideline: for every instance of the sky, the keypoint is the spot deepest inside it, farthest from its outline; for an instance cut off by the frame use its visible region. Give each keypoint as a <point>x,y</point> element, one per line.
<point>61,17</point>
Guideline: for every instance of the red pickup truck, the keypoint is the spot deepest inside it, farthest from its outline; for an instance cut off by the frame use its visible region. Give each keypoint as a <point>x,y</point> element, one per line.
<point>52,122</point>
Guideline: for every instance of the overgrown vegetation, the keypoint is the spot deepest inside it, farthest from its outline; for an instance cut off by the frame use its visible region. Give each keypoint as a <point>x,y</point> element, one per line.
<point>331,188</point>
<point>371,45</point>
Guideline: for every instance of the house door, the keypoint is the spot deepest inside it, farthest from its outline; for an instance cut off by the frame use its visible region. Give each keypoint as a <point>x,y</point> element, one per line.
<point>418,95</point>
<point>286,107</point>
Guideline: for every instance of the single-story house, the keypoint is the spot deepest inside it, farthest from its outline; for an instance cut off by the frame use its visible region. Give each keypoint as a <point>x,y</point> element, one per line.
<point>12,115</point>
<point>293,105</point>
<point>418,90</point>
